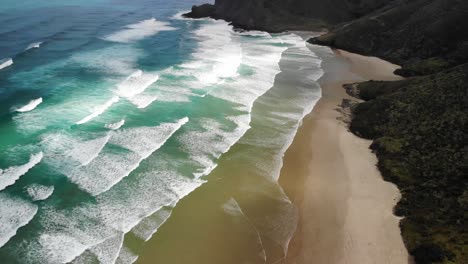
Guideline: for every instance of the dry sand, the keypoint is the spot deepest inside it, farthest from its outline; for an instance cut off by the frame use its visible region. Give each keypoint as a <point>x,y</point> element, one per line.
<point>346,208</point>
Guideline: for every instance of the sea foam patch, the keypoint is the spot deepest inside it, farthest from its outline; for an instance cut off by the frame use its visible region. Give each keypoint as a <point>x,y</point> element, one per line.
<point>39,192</point>
<point>108,251</point>
<point>126,256</point>
<point>10,175</point>
<point>110,167</point>
<point>140,30</point>
<point>150,225</point>
<point>64,151</point>
<point>14,213</point>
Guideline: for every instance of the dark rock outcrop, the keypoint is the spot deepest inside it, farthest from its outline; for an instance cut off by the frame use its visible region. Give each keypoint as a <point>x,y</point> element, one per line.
<point>201,11</point>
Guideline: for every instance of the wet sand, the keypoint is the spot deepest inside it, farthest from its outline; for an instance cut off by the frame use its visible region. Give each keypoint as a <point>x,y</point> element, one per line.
<point>345,207</point>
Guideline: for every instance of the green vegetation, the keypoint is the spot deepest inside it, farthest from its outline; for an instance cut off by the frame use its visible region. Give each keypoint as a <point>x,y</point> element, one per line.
<point>420,131</point>
<point>424,36</point>
<point>424,67</point>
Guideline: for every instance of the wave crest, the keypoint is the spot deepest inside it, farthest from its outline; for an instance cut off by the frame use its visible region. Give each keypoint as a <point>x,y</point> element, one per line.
<point>5,63</point>
<point>10,175</point>
<point>30,106</point>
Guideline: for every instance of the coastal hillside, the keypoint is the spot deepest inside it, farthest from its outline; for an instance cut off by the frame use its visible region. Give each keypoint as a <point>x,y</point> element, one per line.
<point>424,36</point>
<point>419,125</point>
<point>281,15</point>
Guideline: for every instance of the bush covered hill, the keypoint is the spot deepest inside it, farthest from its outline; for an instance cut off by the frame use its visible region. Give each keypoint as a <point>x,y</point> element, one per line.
<point>281,15</point>
<point>420,131</point>
<point>424,36</point>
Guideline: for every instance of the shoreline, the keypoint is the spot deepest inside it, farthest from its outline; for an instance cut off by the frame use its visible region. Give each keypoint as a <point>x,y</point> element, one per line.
<point>345,207</point>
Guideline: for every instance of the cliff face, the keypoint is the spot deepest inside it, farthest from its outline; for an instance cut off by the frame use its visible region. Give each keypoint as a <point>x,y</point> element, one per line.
<point>424,36</point>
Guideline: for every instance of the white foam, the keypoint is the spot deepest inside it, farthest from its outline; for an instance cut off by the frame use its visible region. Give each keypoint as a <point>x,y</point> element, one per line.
<point>116,59</point>
<point>39,192</point>
<point>60,248</point>
<point>5,63</point>
<point>143,101</point>
<point>150,225</point>
<point>218,56</point>
<point>30,106</point>
<point>155,189</point>
<point>104,171</point>
<point>99,110</point>
<point>135,84</point>
<point>208,169</point>
<point>220,141</point>
<point>145,140</point>
<point>126,256</point>
<point>109,168</point>
<point>86,151</point>
<point>10,175</point>
<point>85,258</point>
<point>64,151</point>
<point>68,233</point>
<point>34,45</point>
<point>108,251</point>
<point>179,16</point>
<point>14,213</point>
<point>115,126</point>
<point>140,30</point>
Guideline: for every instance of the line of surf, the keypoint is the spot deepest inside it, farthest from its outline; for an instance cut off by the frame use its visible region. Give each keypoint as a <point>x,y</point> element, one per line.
<point>99,110</point>
<point>10,175</point>
<point>30,106</point>
<point>5,63</point>
<point>108,169</point>
<point>14,213</point>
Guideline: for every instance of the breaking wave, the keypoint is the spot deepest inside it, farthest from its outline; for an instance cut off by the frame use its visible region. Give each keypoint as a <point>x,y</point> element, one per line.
<point>140,30</point>
<point>30,106</point>
<point>5,63</point>
<point>10,175</point>
<point>99,110</point>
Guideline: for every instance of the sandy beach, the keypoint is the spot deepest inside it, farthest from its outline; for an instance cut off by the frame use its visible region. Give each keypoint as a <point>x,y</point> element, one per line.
<point>331,175</point>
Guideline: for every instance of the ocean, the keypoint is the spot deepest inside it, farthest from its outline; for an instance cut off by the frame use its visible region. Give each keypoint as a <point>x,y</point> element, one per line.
<point>128,133</point>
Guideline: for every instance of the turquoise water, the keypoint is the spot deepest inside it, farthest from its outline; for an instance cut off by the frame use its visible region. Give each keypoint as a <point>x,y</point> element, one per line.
<point>112,111</point>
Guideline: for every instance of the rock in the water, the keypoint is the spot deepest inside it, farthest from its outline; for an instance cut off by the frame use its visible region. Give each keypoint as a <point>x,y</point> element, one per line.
<point>206,10</point>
